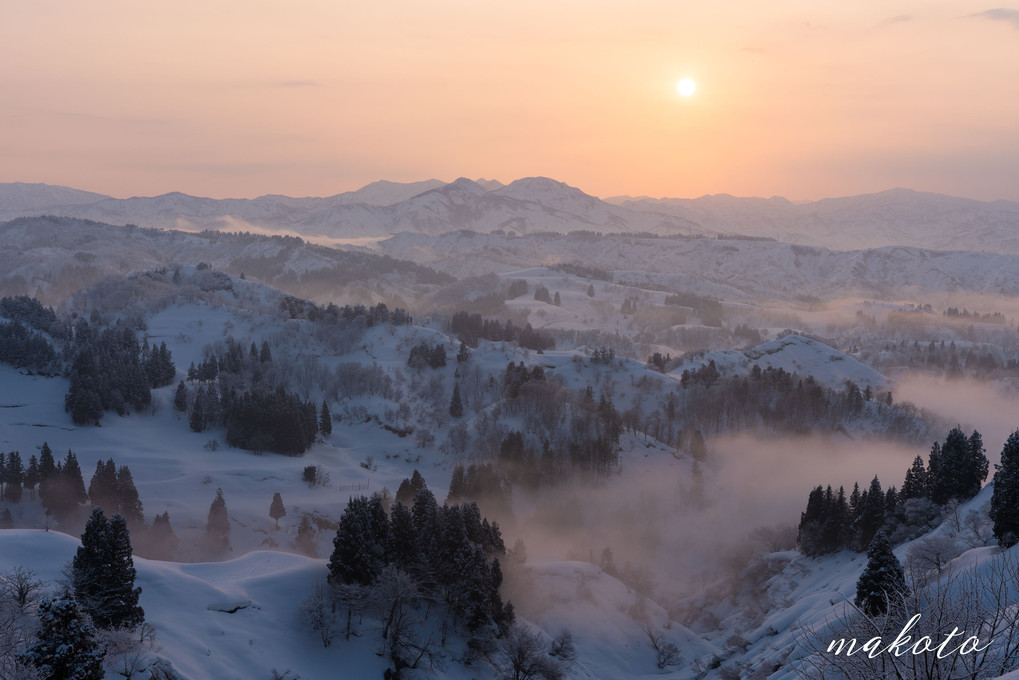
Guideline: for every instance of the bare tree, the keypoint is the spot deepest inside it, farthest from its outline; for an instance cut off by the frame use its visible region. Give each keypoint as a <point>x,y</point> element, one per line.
<point>320,612</point>
<point>525,658</point>
<point>928,556</point>
<point>21,587</point>
<point>17,628</point>
<point>352,596</point>
<point>562,646</point>
<point>130,652</point>
<point>394,597</point>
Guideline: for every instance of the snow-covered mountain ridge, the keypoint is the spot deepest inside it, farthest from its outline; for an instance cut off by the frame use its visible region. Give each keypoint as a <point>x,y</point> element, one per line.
<point>897,217</point>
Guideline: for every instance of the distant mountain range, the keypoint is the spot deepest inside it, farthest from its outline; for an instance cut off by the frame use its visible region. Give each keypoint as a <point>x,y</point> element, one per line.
<point>536,204</point>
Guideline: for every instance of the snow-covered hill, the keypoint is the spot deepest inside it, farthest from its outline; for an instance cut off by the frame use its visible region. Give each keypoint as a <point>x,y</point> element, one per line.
<point>896,217</point>
<point>728,269</point>
<point>51,258</point>
<point>793,353</point>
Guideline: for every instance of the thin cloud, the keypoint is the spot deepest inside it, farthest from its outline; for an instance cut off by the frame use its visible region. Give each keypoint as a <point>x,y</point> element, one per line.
<point>299,83</point>
<point>1000,14</point>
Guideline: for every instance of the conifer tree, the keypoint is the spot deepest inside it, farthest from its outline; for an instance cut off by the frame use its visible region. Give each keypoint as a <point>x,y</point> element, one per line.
<point>325,420</point>
<point>6,519</point>
<point>403,539</point>
<point>1005,498</point>
<point>102,488</point>
<point>456,408</point>
<point>915,485</point>
<point>66,647</point>
<point>47,471</point>
<point>883,582</point>
<point>217,528</point>
<point>14,474</point>
<point>873,515</point>
<point>180,397</point>
<point>32,475</point>
<point>808,536</point>
<point>957,468</point>
<point>358,549</point>
<point>128,502</point>
<point>276,509</point>
<point>162,539</point>
<point>103,573</point>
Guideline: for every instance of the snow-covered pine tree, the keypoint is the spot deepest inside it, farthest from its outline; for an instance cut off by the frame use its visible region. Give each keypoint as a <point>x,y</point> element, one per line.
<point>1005,498</point>
<point>66,646</point>
<point>360,544</point>
<point>883,582</point>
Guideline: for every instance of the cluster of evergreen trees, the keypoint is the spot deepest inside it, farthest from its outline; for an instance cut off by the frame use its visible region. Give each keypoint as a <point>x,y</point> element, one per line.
<point>423,354</point>
<point>14,478</point>
<point>450,552</point>
<point>483,484</point>
<point>257,416</point>
<point>31,313</point>
<point>271,421</point>
<point>472,328</point>
<point>256,420</point>
<point>296,308</point>
<point>22,347</point>
<point>114,491</point>
<point>61,486</point>
<point>955,471</point>
<point>516,375</point>
<point>1005,498</point>
<point>110,371</point>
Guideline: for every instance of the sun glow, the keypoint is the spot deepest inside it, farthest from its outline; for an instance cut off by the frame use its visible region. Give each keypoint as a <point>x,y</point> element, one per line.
<point>686,87</point>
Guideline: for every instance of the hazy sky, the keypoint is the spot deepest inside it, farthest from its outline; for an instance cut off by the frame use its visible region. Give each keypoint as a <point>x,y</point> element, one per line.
<point>799,98</point>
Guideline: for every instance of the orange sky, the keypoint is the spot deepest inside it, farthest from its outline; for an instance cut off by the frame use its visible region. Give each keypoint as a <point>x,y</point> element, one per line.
<point>799,98</point>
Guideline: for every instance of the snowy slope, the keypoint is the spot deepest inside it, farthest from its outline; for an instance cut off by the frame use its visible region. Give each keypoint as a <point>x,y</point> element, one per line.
<point>18,199</point>
<point>896,217</point>
<point>723,268</point>
<point>793,353</point>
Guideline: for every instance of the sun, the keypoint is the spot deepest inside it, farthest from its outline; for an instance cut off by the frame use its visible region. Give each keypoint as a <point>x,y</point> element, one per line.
<point>686,87</point>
